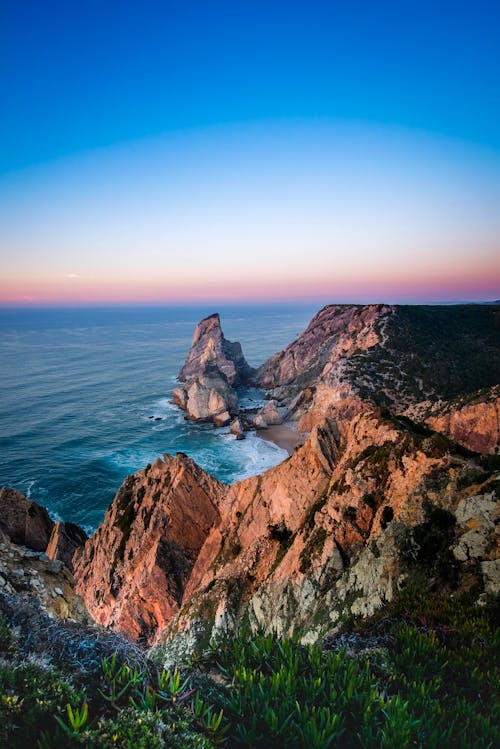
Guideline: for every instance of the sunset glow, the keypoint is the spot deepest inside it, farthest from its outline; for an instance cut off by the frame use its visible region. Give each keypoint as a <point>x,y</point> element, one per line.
<point>306,188</point>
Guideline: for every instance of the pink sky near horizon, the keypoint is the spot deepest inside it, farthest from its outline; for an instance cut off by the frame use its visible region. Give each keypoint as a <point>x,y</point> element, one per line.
<point>320,212</point>
<point>435,288</point>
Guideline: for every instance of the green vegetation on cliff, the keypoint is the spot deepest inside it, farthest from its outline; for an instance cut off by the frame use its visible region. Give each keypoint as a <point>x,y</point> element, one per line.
<point>422,673</point>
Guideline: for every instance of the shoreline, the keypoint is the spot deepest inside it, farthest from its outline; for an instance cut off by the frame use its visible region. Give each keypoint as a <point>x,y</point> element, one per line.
<point>283,436</point>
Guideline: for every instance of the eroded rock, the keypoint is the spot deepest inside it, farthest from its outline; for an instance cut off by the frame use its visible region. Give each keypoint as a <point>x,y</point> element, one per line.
<point>65,539</point>
<point>24,521</point>
<point>133,571</point>
<point>210,346</point>
<point>214,367</point>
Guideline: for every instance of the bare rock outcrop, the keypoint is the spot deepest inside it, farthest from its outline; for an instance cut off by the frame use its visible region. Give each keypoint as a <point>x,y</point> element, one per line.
<point>133,571</point>
<point>336,528</point>
<point>473,420</point>
<point>310,376</point>
<point>352,358</point>
<point>236,427</point>
<point>65,539</point>
<point>210,346</point>
<point>24,521</point>
<point>271,414</point>
<point>209,397</point>
<point>30,575</point>
<point>214,367</point>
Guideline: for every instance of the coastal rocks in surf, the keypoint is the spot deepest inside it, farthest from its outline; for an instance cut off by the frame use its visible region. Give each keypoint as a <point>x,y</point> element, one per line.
<point>24,521</point>
<point>214,367</point>
<point>271,414</point>
<point>133,571</point>
<point>210,345</point>
<point>236,427</point>
<point>208,397</point>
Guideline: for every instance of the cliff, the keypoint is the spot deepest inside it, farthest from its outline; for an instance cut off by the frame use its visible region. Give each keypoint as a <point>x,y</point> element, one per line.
<point>352,358</point>
<point>26,572</point>
<point>472,420</point>
<point>332,530</point>
<point>133,571</point>
<point>337,527</point>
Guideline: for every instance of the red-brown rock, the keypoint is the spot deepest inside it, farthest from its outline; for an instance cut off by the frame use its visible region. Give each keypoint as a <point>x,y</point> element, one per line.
<point>65,539</point>
<point>472,421</point>
<point>24,521</point>
<point>132,572</point>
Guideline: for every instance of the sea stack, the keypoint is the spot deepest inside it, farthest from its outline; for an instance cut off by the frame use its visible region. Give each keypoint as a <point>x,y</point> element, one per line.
<point>214,367</point>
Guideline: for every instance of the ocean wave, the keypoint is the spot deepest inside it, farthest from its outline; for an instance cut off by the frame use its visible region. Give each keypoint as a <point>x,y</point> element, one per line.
<point>161,408</point>
<point>256,456</point>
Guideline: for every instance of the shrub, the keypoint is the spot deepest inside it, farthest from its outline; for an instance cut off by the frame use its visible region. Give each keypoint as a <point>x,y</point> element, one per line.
<point>433,686</point>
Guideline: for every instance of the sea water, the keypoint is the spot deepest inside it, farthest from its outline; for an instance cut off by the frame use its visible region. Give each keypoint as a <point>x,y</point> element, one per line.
<point>85,399</point>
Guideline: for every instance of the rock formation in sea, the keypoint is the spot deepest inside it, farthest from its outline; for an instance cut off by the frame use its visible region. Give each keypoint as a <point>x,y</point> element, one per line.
<point>337,527</point>
<point>214,368</point>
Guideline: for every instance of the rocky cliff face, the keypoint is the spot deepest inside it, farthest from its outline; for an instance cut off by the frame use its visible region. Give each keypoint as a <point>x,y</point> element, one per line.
<point>472,420</point>
<point>27,523</point>
<point>26,531</point>
<point>332,530</point>
<point>352,358</point>
<point>210,345</point>
<point>336,528</point>
<point>32,575</point>
<point>24,521</point>
<point>312,377</point>
<point>132,573</point>
<point>214,367</point>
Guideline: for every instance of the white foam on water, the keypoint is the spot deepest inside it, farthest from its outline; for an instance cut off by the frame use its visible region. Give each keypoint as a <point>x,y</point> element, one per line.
<point>34,489</point>
<point>253,454</point>
<point>56,516</point>
<point>162,408</point>
<point>134,459</point>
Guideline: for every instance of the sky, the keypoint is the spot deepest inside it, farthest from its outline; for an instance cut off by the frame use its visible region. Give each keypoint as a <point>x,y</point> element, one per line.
<point>172,152</point>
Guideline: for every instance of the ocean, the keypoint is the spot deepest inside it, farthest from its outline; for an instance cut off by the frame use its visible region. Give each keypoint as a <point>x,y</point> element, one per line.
<point>85,398</point>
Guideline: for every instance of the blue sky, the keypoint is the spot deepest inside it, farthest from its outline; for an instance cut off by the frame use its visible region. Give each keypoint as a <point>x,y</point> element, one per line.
<point>158,130</point>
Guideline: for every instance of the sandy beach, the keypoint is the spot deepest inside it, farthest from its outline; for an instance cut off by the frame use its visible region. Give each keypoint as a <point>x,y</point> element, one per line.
<point>283,436</point>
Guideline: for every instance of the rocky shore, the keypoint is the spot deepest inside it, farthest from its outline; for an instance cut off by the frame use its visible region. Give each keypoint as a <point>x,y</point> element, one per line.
<point>393,468</point>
